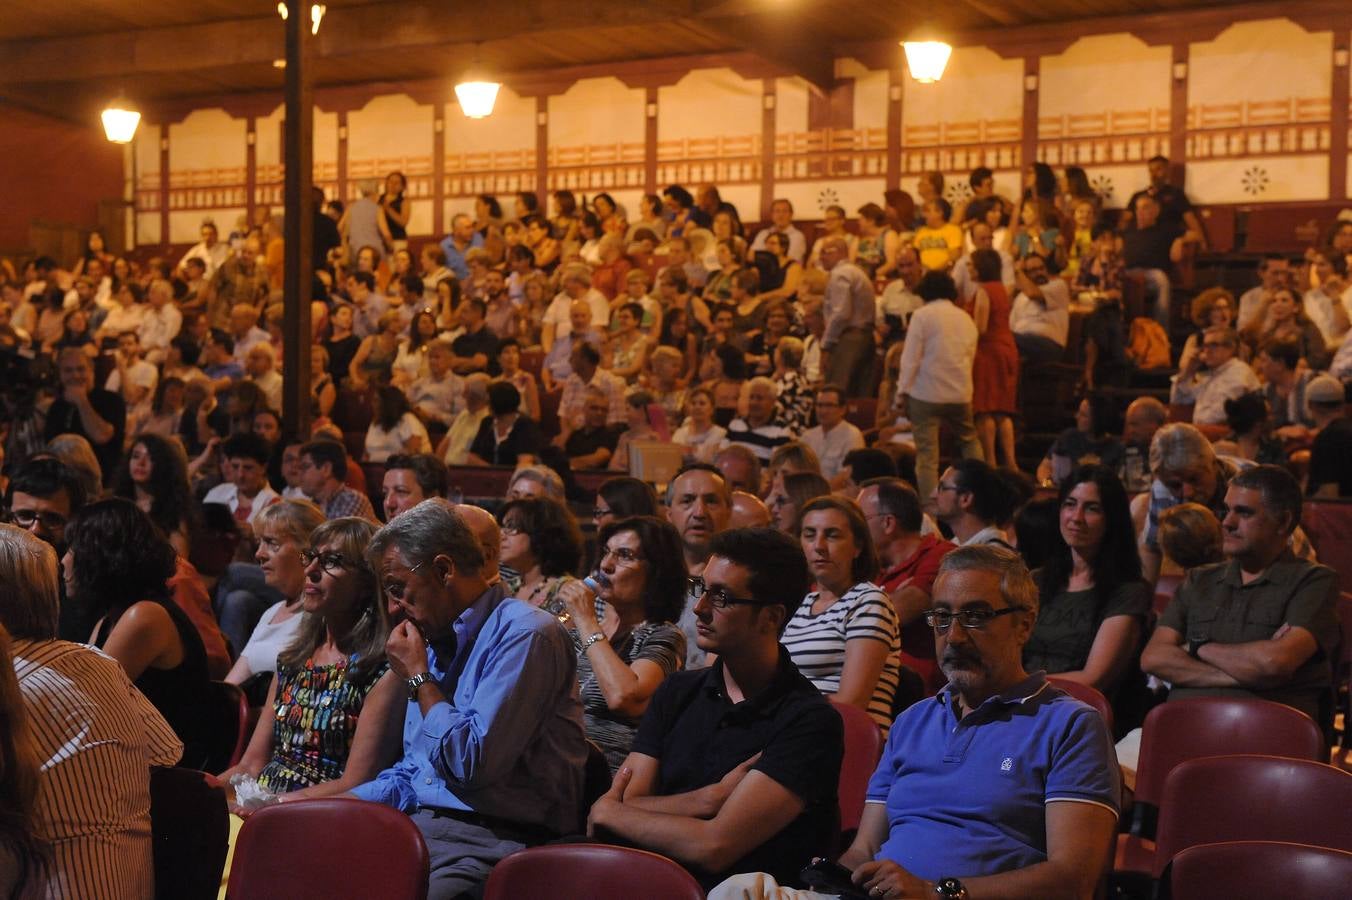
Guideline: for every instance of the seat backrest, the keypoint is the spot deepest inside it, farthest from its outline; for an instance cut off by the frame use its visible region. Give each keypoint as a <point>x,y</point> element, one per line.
<point>190,829</point>
<point>587,871</point>
<point>1085,693</point>
<point>228,726</point>
<point>1218,726</point>
<point>1259,869</point>
<point>1328,524</point>
<point>863,748</point>
<point>300,851</point>
<point>1253,798</point>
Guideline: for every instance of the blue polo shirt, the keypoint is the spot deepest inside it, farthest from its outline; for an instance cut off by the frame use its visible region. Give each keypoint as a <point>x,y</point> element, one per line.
<point>968,797</point>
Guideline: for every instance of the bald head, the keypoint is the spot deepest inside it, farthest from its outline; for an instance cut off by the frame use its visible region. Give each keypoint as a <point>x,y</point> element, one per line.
<point>748,511</point>
<point>1143,418</point>
<point>486,532</point>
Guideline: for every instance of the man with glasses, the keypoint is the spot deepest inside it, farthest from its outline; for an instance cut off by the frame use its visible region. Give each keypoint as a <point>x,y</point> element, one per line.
<point>832,437</point>
<point>43,495</point>
<point>323,470</point>
<point>1225,377</point>
<point>494,746</point>
<point>1040,316</point>
<point>972,500</point>
<point>734,767</point>
<point>1001,785</point>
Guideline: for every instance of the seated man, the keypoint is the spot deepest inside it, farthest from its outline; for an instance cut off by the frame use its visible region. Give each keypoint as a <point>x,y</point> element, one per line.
<point>758,431</point>
<point>592,445</point>
<point>1001,785</point>
<point>1225,378</point>
<point>1262,624</point>
<point>494,746</point>
<point>1153,248</point>
<point>247,493</point>
<point>94,735</point>
<point>734,767</point>
<point>323,471</point>
<point>97,415</point>
<point>411,479</point>
<point>1040,316</point>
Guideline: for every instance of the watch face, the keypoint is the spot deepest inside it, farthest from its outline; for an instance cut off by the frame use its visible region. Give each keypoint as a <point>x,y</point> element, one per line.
<point>950,887</point>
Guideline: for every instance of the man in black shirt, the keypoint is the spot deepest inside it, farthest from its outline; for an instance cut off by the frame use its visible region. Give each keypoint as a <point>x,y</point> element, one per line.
<point>1175,208</point>
<point>98,416</point>
<point>734,767</point>
<point>1151,249</point>
<point>477,349</point>
<point>592,445</point>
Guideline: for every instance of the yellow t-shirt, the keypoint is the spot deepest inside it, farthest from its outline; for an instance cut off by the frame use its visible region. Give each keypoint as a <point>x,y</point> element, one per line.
<point>934,244</point>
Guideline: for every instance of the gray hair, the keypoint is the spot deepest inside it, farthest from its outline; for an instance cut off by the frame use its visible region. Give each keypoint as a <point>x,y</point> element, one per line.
<point>763,381</point>
<point>29,584</point>
<point>546,476</point>
<point>476,383</point>
<point>420,534</point>
<point>1016,583</point>
<point>791,351</point>
<point>1179,446</point>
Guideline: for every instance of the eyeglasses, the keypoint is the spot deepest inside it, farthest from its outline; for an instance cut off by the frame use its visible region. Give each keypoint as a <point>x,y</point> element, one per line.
<point>599,512</point>
<point>719,598</point>
<point>25,518</point>
<point>395,589</point>
<point>511,529</point>
<point>971,619</point>
<point>949,487</point>
<point>625,555</point>
<point>331,562</point>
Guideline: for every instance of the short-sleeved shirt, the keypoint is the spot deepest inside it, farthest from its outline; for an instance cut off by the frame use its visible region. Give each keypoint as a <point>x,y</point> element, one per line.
<point>524,438</point>
<point>63,417</point>
<point>761,440</point>
<point>968,797</point>
<point>1068,622</point>
<point>817,642</point>
<point>1214,604</point>
<point>698,734</point>
<point>586,441</point>
<point>917,638</point>
<point>1148,248</point>
<point>1329,455</point>
<point>482,341</point>
<point>660,643</point>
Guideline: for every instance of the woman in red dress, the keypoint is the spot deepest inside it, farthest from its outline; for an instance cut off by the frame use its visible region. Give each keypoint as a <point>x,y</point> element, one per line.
<point>995,371</point>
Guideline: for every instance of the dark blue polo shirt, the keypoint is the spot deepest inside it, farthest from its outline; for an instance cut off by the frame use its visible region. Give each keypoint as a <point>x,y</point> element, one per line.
<point>967,797</point>
<point>698,735</point>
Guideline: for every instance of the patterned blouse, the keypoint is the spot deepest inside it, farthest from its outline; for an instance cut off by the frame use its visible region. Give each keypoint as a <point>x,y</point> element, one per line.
<point>661,643</point>
<point>316,710</point>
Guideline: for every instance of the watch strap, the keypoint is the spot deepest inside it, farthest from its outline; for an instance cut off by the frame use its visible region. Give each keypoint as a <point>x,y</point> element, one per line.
<point>416,682</point>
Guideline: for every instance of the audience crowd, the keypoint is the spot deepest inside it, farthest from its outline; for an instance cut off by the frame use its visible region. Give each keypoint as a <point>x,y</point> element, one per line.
<point>848,533</point>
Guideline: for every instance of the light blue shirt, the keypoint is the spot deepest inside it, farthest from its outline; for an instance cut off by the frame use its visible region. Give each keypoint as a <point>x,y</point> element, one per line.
<point>510,742</point>
<point>455,257</point>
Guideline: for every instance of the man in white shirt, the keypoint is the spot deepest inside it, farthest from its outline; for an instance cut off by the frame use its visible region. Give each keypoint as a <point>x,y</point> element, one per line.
<point>1226,377</point>
<point>982,239</point>
<point>576,284</point>
<point>94,734</point>
<point>161,321</point>
<point>439,395</point>
<point>245,331</point>
<point>134,378</point>
<point>1040,316</point>
<point>899,298</point>
<point>1274,273</point>
<point>781,221</point>
<point>210,250</point>
<point>261,366</point>
<point>247,493</point>
<point>935,381</point>
<point>832,437</point>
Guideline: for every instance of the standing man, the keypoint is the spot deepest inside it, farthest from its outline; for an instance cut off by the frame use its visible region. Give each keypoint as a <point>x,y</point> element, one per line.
<point>848,349</point>
<point>935,382</point>
<point>699,504</point>
<point>494,746</point>
<point>1264,623</point>
<point>242,279</point>
<point>97,415</point>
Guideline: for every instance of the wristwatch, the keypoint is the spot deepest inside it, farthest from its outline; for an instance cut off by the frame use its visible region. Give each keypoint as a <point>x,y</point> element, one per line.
<point>950,889</point>
<point>593,639</point>
<point>1195,644</point>
<point>416,682</point>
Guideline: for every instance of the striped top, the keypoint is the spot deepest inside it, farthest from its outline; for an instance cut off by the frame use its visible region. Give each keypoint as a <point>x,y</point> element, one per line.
<point>96,737</point>
<point>817,642</point>
<point>761,441</point>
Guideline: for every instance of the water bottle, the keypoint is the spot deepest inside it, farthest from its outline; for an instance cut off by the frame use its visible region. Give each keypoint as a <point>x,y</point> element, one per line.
<point>594,582</point>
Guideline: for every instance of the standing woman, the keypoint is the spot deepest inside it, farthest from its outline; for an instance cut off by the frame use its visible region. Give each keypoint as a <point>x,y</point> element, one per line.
<point>543,545</point>
<point>117,566</point>
<point>1093,601</point>
<point>335,710</point>
<point>617,674</point>
<point>155,478</point>
<point>396,209</point>
<point>995,369</point>
<point>845,636</point>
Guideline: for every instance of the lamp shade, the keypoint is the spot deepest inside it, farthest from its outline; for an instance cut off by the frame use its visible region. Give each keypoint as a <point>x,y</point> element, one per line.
<point>477,97</point>
<point>926,59</point>
<point>120,121</point>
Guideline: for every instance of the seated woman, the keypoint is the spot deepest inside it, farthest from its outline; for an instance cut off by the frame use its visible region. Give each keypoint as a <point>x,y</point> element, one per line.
<point>644,582</point>
<point>394,428</point>
<point>155,477</point>
<point>283,531</point>
<point>1093,600</point>
<point>334,714</point>
<point>698,434</point>
<point>117,566</point>
<point>542,544</point>
<point>1250,434</point>
<point>621,497</point>
<point>647,422</point>
<point>845,635</point>
<point>373,362</point>
<point>789,493</point>
<point>1285,318</point>
<point>627,350</point>
<point>1212,308</point>
<point>1087,443</point>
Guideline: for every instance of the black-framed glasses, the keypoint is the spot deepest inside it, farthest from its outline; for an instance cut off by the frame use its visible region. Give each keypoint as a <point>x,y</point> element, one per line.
<point>719,598</point>
<point>395,589</point>
<point>599,512</point>
<point>330,561</point>
<point>25,518</point>
<point>971,619</point>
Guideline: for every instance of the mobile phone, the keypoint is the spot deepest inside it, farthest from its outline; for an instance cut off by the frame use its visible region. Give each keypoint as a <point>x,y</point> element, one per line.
<point>829,877</point>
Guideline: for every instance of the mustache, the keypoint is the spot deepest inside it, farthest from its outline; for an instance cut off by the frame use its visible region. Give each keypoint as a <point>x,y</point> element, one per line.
<point>953,656</point>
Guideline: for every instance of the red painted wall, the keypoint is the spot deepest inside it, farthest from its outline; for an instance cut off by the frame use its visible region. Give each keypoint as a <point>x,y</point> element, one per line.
<point>53,171</point>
